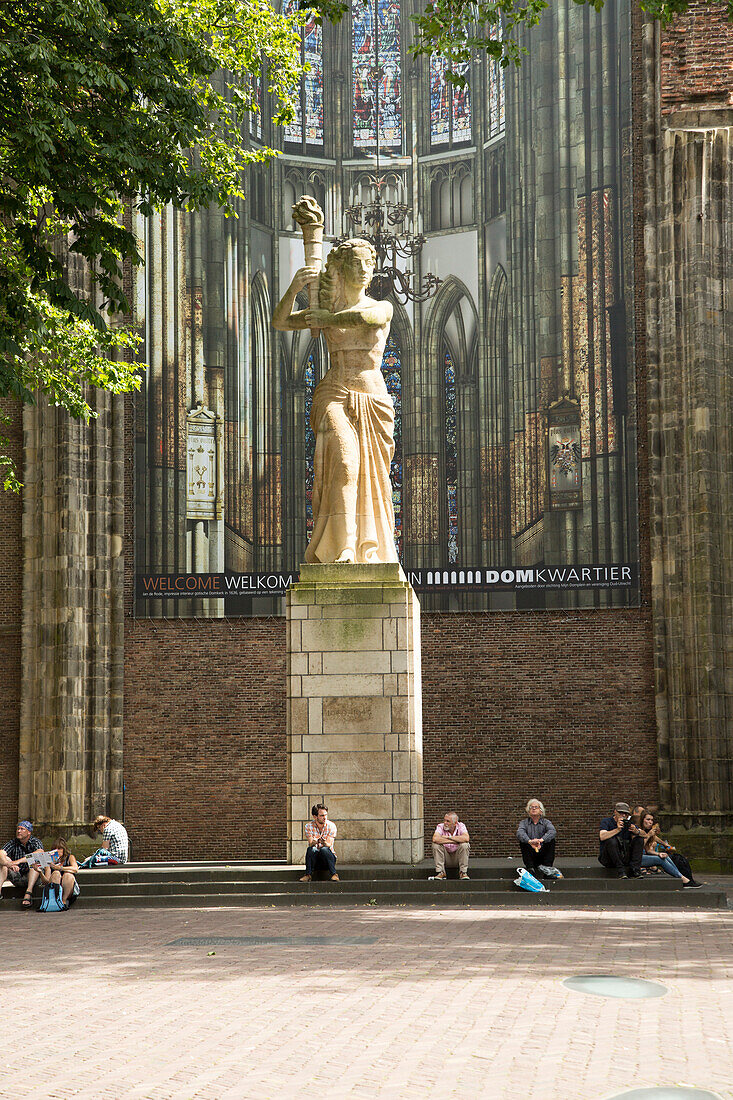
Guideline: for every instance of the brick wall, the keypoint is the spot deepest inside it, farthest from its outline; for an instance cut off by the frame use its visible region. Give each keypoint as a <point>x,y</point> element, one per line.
<point>11,557</point>
<point>515,705</point>
<point>697,60</point>
<point>552,706</point>
<point>204,749</point>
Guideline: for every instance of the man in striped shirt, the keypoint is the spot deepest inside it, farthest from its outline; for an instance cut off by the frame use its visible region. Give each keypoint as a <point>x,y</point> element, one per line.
<point>321,834</point>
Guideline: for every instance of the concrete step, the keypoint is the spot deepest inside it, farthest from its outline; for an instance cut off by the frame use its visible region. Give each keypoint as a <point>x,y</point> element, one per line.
<point>481,870</point>
<point>364,885</point>
<point>277,883</point>
<point>325,895</point>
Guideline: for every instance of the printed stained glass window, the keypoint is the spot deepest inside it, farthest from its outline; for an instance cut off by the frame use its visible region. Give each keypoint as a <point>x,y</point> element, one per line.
<point>497,95</point>
<point>368,40</point>
<point>451,457</point>
<point>392,372</point>
<point>310,443</point>
<point>309,106</point>
<point>450,106</point>
<point>313,82</point>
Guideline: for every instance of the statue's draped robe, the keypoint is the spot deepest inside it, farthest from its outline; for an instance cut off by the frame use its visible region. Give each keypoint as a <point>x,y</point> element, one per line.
<point>352,491</point>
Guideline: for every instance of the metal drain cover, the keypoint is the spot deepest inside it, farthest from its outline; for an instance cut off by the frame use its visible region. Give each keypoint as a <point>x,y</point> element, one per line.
<point>603,985</point>
<point>278,941</point>
<point>668,1092</point>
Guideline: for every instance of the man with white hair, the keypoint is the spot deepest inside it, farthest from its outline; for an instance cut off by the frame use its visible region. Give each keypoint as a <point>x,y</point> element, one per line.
<point>536,835</point>
<point>451,845</point>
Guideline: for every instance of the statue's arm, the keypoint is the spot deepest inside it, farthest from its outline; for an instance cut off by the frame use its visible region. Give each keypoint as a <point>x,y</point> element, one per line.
<point>284,318</point>
<point>376,314</point>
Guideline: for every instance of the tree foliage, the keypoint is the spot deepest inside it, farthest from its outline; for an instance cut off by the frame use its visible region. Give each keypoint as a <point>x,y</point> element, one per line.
<point>101,105</point>
<point>457,28</point>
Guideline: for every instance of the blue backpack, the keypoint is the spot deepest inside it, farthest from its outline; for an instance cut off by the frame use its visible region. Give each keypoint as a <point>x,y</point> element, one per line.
<point>51,901</point>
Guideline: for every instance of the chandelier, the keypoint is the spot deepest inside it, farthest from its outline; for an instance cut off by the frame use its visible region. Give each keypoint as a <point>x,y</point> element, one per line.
<point>382,222</point>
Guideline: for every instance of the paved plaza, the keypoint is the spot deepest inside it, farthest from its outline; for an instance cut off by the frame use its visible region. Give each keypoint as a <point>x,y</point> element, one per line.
<point>421,1003</point>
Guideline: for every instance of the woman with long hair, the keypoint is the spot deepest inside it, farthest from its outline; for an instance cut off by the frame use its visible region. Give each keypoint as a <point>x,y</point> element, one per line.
<point>62,872</point>
<point>658,853</point>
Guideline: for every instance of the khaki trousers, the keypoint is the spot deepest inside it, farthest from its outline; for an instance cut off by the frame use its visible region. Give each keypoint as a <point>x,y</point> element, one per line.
<point>445,859</point>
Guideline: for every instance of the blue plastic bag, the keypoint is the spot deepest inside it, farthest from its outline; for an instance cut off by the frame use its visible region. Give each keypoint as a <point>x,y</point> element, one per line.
<point>529,882</point>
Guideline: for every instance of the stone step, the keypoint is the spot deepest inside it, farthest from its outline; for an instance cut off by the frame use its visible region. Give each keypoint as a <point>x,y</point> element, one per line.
<point>481,870</point>
<point>325,895</point>
<point>362,885</point>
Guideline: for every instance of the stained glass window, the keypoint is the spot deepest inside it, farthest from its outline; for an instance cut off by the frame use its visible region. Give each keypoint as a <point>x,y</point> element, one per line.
<point>451,457</point>
<point>313,82</point>
<point>310,443</point>
<point>309,105</point>
<point>497,95</point>
<point>368,41</point>
<point>439,101</point>
<point>392,372</point>
<point>450,106</point>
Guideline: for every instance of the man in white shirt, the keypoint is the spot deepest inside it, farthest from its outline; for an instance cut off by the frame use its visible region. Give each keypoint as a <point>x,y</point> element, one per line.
<point>321,834</point>
<point>451,845</point>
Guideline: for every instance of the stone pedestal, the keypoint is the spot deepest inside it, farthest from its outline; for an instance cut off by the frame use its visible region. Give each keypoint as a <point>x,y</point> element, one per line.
<point>355,711</point>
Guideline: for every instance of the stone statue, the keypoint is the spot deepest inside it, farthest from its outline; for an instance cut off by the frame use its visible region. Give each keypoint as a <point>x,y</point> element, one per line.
<point>352,415</point>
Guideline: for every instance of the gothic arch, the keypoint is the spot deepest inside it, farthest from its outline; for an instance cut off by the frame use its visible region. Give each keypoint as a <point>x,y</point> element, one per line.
<point>452,342</point>
<point>265,430</point>
<point>453,319</point>
<point>496,425</point>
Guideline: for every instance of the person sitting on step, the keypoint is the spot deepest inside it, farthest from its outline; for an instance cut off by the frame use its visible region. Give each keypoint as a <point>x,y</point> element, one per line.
<point>115,844</point>
<point>621,843</point>
<point>13,863</point>
<point>451,847</point>
<point>320,854</point>
<point>62,872</point>
<point>658,853</point>
<point>536,835</point>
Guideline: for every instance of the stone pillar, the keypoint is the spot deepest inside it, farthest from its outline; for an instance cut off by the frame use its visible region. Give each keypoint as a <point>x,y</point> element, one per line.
<point>72,642</point>
<point>689,267</point>
<point>354,717</point>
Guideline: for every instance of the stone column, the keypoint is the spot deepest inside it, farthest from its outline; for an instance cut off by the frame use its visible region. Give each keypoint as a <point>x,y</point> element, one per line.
<point>354,718</point>
<point>689,268</point>
<point>71,707</point>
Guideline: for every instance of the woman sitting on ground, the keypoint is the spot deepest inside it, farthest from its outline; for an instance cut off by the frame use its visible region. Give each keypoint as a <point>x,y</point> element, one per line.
<point>658,853</point>
<point>536,835</point>
<point>62,872</point>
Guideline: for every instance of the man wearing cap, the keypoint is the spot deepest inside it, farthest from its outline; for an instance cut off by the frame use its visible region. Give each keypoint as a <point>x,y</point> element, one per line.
<point>621,843</point>
<point>13,865</point>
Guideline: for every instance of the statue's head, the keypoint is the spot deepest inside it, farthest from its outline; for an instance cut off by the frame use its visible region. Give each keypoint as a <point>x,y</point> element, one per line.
<point>353,261</point>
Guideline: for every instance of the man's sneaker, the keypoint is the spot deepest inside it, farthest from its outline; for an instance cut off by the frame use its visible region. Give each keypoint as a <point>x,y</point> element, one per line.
<point>550,872</point>
<point>439,877</point>
<point>464,875</point>
<point>691,885</point>
<point>633,872</point>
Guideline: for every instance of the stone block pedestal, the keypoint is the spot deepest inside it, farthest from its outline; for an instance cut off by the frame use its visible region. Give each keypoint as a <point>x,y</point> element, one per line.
<point>354,718</point>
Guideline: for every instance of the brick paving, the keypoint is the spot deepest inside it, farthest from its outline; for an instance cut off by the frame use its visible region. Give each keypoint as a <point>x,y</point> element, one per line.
<point>462,1004</point>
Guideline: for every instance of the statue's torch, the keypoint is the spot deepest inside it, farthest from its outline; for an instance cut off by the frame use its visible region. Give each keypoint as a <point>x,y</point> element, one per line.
<point>309,216</point>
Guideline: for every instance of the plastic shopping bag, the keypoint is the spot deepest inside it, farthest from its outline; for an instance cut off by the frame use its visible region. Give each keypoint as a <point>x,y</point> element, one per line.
<point>529,882</point>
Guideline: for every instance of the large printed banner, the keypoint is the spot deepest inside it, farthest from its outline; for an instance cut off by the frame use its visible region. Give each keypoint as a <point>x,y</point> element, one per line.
<point>557,578</point>
<point>511,356</point>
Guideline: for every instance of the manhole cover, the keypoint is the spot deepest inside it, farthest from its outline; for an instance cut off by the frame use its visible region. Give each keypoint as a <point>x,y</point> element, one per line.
<point>601,985</point>
<point>668,1092</point>
<point>279,941</point>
